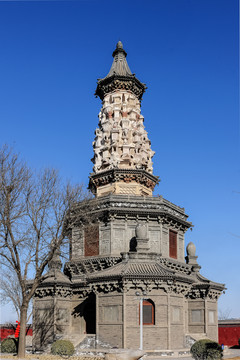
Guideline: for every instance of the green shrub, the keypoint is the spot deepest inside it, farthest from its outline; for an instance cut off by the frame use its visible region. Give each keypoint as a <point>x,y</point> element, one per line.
<point>9,345</point>
<point>62,348</point>
<point>206,349</point>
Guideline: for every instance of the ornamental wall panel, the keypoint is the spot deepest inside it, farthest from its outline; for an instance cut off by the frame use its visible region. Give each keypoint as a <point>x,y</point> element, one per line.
<point>77,243</point>
<point>165,241</point>
<point>118,244</point>
<point>161,312</point>
<point>154,238</point>
<point>176,315</point>
<point>105,240</point>
<point>196,316</point>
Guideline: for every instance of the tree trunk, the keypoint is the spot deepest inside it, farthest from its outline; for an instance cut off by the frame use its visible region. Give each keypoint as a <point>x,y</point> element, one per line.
<point>22,334</point>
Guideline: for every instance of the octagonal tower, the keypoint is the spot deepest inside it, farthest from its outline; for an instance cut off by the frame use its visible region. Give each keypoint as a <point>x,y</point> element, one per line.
<point>123,243</point>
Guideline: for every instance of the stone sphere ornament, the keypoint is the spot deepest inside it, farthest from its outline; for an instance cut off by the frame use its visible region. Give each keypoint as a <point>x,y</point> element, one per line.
<point>141,231</point>
<point>191,249</point>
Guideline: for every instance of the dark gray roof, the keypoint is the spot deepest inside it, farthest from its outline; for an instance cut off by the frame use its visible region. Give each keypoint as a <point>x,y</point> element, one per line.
<point>133,269</point>
<point>55,276</point>
<point>120,76</point>
<point>203,280</point>
<point>228,322</point>
<point>119,65</point>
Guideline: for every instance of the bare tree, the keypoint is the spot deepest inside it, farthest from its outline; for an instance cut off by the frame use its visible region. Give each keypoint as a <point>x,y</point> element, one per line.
<point>224,314</point>
<point>10,292</point>
<point>33,209</point>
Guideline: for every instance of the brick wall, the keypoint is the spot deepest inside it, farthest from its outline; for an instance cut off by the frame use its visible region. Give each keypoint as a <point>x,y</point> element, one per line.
<point>9,330</point>
<point>229,332</point>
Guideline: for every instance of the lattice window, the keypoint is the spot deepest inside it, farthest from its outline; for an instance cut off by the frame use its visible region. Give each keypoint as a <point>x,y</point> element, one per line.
<point>172,244</point>
<point>91,240</point>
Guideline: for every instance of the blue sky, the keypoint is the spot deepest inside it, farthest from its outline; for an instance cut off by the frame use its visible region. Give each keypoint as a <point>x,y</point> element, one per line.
<point>52,53</point>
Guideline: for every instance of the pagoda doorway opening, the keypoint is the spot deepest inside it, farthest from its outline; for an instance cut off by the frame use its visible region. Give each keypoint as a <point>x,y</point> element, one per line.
<point>89,314</point>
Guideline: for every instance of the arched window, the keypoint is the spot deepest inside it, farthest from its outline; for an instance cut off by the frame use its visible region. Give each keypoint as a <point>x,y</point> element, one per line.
<point>148,312</point>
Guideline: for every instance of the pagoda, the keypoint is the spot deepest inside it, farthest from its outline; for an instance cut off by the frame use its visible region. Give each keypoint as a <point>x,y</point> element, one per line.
<point>122,151</point>
<point>126,246</point>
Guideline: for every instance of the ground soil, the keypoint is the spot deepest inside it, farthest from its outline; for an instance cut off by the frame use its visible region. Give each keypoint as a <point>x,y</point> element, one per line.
<point>50,357</point>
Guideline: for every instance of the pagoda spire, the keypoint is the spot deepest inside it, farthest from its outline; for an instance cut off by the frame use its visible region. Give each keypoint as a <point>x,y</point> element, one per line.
<point>119,65</point>
<point>120,76</point>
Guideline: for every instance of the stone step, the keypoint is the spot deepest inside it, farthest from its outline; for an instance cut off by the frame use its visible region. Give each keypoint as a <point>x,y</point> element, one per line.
<point>86,342</point>
<point>190,339</point>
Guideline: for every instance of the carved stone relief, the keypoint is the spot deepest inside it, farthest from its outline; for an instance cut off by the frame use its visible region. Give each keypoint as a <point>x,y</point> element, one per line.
<point>121,140</point>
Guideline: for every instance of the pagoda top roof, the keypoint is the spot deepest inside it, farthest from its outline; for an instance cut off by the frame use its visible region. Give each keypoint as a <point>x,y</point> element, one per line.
<point>119,65</point>
<point>120,76</point>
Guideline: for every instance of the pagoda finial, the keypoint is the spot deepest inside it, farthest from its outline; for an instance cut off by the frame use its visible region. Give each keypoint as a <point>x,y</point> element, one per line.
<point>119,49</point>
<point>119,45</point>
<point>120,76</point>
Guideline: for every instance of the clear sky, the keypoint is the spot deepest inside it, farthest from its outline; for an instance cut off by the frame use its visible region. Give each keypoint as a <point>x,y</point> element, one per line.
<point>186,51</point>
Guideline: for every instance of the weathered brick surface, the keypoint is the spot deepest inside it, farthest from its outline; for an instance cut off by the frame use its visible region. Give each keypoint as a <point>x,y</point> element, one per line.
<point>111,334</point>
<point>114,236</point>
<point>176,336</point>
<point>212,332</point>
<point>78,323</point>
<point>156,336</point>
<point>212,323</point>
<point>110,319</point>
<point>153,337</point>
